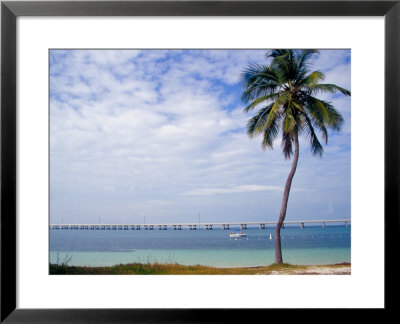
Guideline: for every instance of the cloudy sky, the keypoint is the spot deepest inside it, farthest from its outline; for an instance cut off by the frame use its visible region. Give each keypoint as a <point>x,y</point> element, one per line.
<point>161,134</point>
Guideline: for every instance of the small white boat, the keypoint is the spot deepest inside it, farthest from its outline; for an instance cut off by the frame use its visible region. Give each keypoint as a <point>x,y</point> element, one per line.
<point>237,234</point>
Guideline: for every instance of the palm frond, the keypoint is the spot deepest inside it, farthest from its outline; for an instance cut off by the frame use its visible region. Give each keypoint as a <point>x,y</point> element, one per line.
<point>262,99</point>
<point>289,122</point>
<point>288,87</point>
<point>257,124</point>
<point>316,147</point>
<point>282,64</point>
<point>276,106</point>
<point>287,147</point>
<point>271,133</point>
<point>324,113</point>
<point>259,81</point>
<point>311,79</point>
<point>304,56</point>
<point>277,52</point>
<point>330,88</point>
<point>252,72</point>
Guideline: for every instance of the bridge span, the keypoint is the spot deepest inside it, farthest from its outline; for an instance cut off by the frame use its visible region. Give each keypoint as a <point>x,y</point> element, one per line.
<point>194,226</point>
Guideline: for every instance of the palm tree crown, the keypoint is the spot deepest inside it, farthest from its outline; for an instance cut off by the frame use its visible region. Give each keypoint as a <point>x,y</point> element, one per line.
<point>287,90</point>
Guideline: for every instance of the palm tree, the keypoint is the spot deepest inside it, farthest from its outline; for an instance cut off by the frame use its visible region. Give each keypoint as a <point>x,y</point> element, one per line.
<point>285,93</point>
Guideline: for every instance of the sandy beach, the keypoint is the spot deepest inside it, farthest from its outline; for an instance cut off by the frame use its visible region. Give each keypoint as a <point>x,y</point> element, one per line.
<point>315,270</point>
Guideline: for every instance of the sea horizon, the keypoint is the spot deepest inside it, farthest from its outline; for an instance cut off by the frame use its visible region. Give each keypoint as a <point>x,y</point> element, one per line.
<point>311,245</point>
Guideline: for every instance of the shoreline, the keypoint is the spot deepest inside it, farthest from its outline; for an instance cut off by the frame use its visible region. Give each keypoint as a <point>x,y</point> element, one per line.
<point>343,268</point>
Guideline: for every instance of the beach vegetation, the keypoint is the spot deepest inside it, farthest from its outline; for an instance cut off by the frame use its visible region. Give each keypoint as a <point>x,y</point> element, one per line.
<point>156,268</point>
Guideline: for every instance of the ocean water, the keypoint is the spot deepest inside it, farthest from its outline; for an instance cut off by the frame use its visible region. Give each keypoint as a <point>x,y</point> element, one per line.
<point>310,245</point>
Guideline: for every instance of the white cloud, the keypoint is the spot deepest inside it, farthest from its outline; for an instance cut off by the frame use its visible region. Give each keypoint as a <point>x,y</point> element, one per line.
<point>133,130</point>
<point>237,189</point>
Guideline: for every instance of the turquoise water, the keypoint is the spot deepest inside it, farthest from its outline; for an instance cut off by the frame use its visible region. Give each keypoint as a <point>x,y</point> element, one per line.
<point>311,245</point>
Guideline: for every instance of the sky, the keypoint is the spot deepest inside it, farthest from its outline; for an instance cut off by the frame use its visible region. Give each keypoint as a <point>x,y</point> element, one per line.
<point>160,136</point>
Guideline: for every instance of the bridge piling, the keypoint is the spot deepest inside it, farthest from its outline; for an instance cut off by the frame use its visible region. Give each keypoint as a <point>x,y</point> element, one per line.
<point>193,226</point>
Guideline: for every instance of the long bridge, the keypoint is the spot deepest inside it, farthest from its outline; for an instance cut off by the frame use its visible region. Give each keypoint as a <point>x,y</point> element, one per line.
<point>194,226</point>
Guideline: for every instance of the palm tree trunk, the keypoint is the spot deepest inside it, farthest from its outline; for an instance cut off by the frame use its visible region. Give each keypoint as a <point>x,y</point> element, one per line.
<point>282,215</point>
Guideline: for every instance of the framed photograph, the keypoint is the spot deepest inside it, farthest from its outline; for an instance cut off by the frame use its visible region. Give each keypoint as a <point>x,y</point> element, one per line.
<point>192,161</point>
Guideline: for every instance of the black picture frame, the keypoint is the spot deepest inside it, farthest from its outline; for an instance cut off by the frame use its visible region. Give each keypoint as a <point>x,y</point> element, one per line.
<point>10,10</point>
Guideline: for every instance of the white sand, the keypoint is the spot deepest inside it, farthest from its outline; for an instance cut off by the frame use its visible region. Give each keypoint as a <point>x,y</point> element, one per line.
<point>314,270</point>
